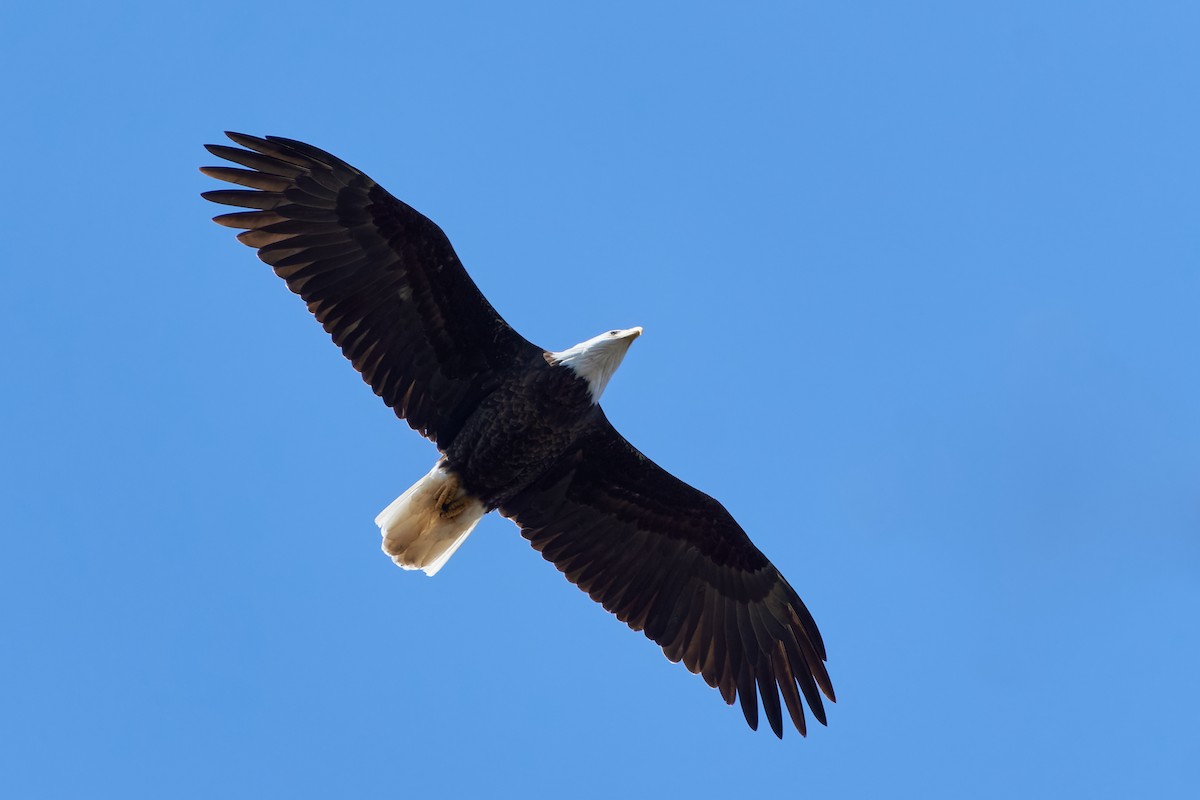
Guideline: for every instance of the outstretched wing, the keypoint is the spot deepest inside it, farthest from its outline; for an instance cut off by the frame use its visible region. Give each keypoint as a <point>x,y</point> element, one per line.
<point>381,278</point>
<point>670,561</point>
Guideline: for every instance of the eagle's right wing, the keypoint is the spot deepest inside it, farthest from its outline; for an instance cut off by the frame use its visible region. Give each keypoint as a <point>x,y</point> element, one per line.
<point>381,278</point>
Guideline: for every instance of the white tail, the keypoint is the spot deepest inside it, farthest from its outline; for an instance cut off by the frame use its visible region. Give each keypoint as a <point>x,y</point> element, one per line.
<point>424,526</point>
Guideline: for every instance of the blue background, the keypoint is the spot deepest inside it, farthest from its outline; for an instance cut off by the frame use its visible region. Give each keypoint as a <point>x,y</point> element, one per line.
<point>919,284</point>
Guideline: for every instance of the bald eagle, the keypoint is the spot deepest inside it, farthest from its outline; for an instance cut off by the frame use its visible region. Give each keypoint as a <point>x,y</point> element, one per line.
<point>519,429</point>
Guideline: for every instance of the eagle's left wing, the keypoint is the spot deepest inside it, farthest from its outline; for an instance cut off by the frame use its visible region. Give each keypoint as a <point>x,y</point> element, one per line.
<point>670,561</point>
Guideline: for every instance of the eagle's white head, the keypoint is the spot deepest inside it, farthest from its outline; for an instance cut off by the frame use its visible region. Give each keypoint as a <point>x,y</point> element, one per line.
<point>598,358</point>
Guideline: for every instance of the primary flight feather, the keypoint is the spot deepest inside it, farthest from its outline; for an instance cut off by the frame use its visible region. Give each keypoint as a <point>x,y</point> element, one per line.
<point>520,430</point>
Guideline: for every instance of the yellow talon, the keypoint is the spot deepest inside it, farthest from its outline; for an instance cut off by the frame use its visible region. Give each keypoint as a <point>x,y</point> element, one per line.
<point>449,505</point>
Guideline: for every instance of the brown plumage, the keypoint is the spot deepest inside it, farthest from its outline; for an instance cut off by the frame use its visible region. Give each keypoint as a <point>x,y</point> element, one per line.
<point>519,429</point>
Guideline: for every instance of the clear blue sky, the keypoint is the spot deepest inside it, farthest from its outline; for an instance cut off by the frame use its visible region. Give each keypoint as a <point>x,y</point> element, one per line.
<point>920,288</point>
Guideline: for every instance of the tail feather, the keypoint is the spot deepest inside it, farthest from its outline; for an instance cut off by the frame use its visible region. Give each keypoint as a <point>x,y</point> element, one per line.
<point>424,526</point>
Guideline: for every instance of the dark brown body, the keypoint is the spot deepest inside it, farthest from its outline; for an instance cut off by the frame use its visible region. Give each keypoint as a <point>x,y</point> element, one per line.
<point>518,431</point>
<point>523,436</point>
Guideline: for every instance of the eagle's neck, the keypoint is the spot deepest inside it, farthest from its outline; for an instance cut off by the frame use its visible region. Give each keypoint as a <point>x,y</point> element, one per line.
<point>597,359</point>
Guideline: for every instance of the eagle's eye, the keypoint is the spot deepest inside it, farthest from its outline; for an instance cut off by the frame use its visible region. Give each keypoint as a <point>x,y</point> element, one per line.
<point>613,333</point>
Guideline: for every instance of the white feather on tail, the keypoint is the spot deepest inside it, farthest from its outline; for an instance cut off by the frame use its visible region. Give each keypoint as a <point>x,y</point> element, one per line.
<point>424,526</point>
